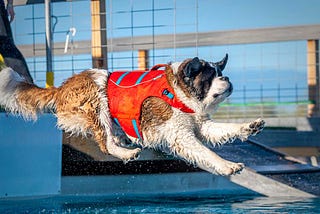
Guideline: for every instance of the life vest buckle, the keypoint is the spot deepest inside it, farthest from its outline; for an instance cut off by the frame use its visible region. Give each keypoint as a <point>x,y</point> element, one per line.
<point>167,93</point>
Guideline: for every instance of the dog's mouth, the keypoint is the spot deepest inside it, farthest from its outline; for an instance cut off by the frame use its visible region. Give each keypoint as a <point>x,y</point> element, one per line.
<point>216,95</point>
<point>225,93</point>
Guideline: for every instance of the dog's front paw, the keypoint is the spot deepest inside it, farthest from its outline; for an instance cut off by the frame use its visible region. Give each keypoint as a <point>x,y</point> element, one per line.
<point>256,126</point>
<point>252,128</point>
<point>230,168</point>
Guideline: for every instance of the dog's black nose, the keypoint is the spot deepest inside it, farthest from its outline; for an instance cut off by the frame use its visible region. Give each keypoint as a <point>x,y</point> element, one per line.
<point>224,78</point>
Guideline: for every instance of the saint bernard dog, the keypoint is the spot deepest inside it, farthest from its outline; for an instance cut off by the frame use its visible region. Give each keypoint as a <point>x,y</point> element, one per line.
<point>166,108</point>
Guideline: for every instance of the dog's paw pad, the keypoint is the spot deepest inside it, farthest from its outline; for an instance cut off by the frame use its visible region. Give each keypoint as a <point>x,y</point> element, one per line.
<point>237,168</point>
<point>256,126</point>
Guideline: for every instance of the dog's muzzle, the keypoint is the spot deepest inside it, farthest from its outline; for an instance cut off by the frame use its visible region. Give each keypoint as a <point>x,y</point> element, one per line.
<point>228,91</point>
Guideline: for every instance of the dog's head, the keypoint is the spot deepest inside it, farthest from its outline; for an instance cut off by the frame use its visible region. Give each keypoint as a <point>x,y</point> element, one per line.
<point>203,80</point>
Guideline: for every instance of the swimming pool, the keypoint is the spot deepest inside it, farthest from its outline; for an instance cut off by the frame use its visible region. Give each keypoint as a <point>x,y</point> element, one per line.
<point>161,204</point>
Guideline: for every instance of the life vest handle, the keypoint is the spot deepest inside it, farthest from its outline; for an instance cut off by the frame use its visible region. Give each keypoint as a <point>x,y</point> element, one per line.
<point>156,67</point>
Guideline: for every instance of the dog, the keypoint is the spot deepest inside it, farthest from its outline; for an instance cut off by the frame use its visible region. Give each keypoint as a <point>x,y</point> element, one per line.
<point>175,118</point>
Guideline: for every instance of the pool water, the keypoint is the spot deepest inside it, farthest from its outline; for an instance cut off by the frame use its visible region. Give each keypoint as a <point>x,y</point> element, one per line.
<point>101,204</point>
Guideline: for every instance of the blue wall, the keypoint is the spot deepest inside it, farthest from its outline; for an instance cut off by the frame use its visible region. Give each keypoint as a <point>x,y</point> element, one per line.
<point>30,156</point>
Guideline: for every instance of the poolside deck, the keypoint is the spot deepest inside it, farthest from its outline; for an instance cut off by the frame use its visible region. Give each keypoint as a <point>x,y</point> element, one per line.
<point>268,172</point>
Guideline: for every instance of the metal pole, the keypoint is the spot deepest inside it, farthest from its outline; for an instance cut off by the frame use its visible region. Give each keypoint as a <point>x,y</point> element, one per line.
<point>49,74</point>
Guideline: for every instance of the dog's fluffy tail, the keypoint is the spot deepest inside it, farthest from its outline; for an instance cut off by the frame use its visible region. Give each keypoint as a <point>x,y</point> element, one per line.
<point>20,97</point>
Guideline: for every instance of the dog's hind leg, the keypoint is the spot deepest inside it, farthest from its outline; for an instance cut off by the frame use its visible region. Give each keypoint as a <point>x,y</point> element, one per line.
<point>100,137</point>
<point>109,143</point>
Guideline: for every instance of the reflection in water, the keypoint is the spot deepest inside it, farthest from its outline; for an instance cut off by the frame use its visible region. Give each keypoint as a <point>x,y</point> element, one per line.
<point>279,205</point>
<point>195,204</point>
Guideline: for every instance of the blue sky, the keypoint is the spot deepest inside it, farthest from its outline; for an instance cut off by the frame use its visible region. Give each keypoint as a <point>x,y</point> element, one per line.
<point>226,14</point>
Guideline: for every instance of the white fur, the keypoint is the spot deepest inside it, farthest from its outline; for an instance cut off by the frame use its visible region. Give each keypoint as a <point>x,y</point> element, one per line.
<point>175,67</point>
<point>74,125</point>
<point>100,77</point>
<point>219,87</point>
<point>9,88</point>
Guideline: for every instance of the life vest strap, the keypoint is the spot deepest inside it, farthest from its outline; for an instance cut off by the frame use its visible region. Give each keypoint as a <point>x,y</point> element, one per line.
<point>156,67</point>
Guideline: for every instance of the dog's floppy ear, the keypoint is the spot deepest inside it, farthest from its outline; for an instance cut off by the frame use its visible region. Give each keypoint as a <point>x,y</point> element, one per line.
<point>219,66</point>
<point>193,67</point>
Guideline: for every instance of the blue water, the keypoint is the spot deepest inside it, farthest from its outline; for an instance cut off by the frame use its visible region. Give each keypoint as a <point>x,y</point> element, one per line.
<point>101,204</point>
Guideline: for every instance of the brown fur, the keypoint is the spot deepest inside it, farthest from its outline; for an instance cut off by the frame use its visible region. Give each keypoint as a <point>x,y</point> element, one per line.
<point>154,112</point>
<point>34,98</point>
<point>75,102</point>
<point>180,81</point>
<point>78,101</point>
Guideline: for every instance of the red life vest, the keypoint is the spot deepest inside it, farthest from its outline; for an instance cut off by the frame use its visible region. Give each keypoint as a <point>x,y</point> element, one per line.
<point>127,90</point>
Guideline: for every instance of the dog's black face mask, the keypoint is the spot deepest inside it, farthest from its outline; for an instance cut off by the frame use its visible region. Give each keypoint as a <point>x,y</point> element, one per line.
<point>199,75</point>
